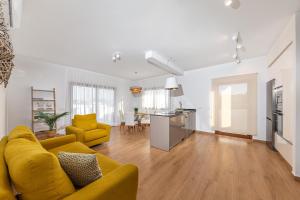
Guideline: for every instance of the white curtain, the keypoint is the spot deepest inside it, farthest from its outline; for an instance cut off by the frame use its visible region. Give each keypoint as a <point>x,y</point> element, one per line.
<point>105,104</point>
<point>86,99</point>
<point>234,104</point>
<point>155,99</point>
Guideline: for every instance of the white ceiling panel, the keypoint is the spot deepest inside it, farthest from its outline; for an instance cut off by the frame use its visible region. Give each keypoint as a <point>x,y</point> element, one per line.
<point>195,33</point>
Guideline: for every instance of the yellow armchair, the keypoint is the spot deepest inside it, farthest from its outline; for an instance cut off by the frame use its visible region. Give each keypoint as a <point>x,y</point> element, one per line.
<point>88,131</point>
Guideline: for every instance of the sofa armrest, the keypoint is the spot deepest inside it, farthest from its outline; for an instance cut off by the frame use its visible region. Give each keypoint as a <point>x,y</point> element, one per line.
<point>121,183</point>
<point>77,131</point>
<point>57,141</point>
<point>104,126</point>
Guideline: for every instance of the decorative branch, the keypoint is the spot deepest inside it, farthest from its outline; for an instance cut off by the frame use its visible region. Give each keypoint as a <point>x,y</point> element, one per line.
<point>6,49</point>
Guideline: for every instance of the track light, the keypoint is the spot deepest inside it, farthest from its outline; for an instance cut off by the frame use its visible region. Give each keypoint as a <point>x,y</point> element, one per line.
<point>237,46</point>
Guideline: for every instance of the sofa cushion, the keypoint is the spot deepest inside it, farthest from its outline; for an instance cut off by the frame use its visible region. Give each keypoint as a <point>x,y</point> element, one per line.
<point>6,191</point>
<point>106,164</point>
<point>76,147</point>
<point>94,134</point>
<point>82,168</point>
<point>35,172</point>
<point>85,122</point>
<point>22,132</point>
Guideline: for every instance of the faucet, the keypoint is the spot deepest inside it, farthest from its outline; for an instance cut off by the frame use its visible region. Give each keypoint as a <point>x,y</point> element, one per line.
<point>180,104</point>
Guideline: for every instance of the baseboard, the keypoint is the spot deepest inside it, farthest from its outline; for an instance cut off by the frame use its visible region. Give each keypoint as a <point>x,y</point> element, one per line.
<point>297,178</point>
<point>233,135</point>
<point>203,132</point>
<point>260,141</point>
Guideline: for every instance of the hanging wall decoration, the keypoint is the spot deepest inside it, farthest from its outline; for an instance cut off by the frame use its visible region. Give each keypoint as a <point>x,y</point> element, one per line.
<point>6,50</point>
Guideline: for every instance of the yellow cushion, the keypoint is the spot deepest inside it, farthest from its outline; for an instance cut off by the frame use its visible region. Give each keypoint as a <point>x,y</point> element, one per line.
<point>76,147</point>
<point>85,122</point>
<point>106,164</point>
<point>94,134</point>
<point>22,132</point>
<point>5,191</point>
<point>35,172</point>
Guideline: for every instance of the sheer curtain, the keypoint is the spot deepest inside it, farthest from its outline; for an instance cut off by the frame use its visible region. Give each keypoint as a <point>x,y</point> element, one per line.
<point>155,99</point>
<point>106,104</point>
<point>83,99</point>
<point>234,104</point>
<point>87,98</point>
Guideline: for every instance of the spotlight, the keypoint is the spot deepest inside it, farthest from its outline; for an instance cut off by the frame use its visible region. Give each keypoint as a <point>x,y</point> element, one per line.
<point>116,56</point>
<point>237,61</point>
<point>235,4</point>
<point>239,46</point>
<point>235,37</point>
<point>228,2</point>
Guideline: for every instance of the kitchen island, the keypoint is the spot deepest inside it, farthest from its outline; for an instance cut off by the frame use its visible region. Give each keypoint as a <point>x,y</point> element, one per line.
<point>169,129</point>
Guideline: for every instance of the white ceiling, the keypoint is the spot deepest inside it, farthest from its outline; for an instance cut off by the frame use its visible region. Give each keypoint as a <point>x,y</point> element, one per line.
<point>196,33</point>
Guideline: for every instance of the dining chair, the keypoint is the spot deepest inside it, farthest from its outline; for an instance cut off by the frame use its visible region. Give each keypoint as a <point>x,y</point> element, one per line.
<point>122,120</point>
<point>130,123</point>
<point>145,121</point>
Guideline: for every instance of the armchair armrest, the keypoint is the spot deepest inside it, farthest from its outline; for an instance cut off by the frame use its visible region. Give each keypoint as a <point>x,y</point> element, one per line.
<point>121,183</point>
<point>104,126</point>
<point>77,131</point>
<point>57,141</point>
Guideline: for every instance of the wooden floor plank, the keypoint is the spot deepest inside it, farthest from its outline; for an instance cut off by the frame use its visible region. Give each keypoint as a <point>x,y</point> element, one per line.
<point>204,167</point>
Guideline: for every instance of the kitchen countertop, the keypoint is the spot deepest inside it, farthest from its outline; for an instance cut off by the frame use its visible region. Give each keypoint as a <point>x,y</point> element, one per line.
<point>172,114</point>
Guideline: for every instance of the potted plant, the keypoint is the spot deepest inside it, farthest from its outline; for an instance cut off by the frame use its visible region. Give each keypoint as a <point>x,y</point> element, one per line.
<point>50,120</point>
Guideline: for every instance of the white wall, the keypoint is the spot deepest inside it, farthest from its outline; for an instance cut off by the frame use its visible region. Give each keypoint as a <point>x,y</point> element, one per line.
<point>197,83</point>
<point>43,75</point>
<point>2,111</point>
<point>282,67</point>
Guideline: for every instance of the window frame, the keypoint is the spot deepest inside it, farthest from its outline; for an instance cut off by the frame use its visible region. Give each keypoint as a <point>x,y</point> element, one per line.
<point>96,87</point>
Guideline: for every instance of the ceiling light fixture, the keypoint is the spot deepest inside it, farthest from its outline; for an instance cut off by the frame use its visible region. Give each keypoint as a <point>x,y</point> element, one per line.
<point>238,46</point>
<point>136,90</point>
<point>235,4</point>
<point>116,57</point>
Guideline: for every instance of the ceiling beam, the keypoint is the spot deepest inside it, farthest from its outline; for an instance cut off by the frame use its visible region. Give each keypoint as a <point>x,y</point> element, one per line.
<point>163,63</point>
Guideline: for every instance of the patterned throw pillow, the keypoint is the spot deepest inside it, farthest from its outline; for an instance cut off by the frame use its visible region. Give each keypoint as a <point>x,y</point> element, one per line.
<point>81,168</point>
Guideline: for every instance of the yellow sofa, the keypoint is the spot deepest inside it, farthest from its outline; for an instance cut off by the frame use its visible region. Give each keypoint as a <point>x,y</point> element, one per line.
<point>88,131</point>
<point>35,172</point>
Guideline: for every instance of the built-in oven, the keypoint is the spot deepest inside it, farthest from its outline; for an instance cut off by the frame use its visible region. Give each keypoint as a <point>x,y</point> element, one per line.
<point>278,113</point>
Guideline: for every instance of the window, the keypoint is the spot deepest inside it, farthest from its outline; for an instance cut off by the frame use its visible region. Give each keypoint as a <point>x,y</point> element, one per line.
<point>88,99</point>
<point>155,99</point>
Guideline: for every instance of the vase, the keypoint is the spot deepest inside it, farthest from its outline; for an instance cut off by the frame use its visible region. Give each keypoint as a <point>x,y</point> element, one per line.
<point>51,133</point>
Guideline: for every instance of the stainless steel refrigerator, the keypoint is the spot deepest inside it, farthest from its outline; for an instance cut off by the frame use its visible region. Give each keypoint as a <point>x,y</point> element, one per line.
<point>271,107</point>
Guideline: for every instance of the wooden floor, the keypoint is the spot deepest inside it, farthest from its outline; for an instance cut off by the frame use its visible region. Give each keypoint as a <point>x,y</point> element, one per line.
<point>204,167</point>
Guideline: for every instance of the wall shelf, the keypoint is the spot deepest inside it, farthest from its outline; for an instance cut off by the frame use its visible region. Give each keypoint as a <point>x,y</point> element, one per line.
<point>42,101</point>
